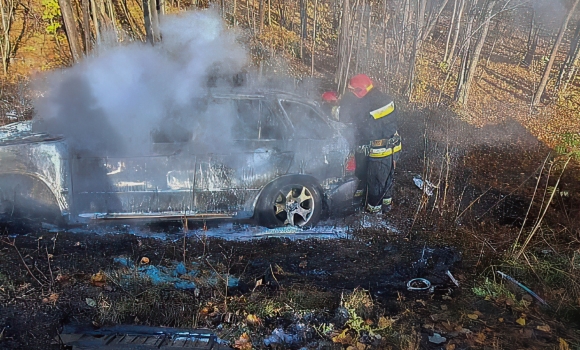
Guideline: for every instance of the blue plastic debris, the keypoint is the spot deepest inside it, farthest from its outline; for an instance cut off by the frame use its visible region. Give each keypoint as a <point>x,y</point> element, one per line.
<point>123,261</point>
<point>160,275</point>
<point>180,269</point>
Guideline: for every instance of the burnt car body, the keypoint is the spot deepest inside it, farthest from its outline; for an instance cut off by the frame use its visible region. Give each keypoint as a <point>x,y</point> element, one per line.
<point>286,164</point>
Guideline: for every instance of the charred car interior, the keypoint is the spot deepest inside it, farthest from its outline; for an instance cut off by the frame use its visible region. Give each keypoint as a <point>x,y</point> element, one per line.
<point>278,160</point>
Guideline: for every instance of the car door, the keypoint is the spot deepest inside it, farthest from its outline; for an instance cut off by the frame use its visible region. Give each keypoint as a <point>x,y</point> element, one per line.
<point>319,149</point>
<point>229,179</point>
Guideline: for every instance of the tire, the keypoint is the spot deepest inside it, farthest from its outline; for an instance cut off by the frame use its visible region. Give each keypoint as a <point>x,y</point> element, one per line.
<point>290,201</point>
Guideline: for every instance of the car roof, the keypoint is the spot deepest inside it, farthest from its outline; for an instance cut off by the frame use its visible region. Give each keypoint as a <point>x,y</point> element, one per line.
<point>259,93</point>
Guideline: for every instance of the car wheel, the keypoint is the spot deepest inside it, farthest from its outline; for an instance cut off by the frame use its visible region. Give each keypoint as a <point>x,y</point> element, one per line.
<point>290,201</point>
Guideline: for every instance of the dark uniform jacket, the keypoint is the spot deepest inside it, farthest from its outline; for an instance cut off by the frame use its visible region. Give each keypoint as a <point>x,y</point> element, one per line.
<point>374,116</point>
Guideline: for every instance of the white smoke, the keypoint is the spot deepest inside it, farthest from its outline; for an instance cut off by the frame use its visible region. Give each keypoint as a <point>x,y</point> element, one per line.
<point>115,99</point>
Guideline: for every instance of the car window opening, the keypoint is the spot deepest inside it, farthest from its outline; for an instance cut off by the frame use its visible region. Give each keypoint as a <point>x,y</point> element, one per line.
<point>308,123</point>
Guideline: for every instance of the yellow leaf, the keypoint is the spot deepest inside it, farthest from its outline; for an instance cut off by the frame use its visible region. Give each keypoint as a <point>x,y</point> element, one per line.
<point>343,337</point>
<point>521,321</point>
<point>144,260</point>
<point>473,316</point>
<point>98,279</point>
<point>500,319</point>
<point>385,322</point>
<point>563,344</point>
<point>253,320</point>
<point>243,343</point>
<point>544,328</point>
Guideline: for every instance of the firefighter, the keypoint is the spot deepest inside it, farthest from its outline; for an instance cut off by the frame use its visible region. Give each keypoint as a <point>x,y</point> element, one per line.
<point>330,103</point>
<point>374,115</point>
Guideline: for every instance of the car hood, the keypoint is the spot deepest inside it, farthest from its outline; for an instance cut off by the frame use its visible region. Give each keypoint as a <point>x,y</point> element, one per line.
<point>21,132</point>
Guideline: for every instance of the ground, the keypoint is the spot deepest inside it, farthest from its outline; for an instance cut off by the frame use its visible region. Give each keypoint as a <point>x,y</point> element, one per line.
<point>345,289</point>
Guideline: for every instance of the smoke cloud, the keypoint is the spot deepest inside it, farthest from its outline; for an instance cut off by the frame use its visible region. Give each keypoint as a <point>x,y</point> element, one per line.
<point>116,99</point>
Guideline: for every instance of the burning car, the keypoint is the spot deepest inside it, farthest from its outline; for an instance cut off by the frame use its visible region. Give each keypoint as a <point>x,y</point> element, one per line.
<point>285,163</point>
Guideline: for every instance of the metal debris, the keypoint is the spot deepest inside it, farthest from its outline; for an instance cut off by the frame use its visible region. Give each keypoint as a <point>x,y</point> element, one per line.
<point>419,284</point>
<point>139,337</point>
<point>452,278</point>
<point>513,280</point>
<point>436,338</point>
<point>425,185</point>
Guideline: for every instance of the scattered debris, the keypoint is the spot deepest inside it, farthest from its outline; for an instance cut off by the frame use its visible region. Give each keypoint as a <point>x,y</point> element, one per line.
<point>436,338</point>
<point>425,185</point>
<point>452,278</point>
<point>419,284</point>
<point>128,336</point>
<point>511,279</point>
<point>279,337</point>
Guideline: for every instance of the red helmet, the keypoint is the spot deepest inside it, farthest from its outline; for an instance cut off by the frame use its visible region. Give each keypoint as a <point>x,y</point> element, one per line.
<point>360,85</point>
<point>330,96</point>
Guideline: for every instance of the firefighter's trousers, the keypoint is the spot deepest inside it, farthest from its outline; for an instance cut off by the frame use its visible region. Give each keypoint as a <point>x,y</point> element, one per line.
<point>380,173</point>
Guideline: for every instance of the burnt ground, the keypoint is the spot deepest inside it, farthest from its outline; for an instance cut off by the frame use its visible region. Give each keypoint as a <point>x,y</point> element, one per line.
<point>486,178</point>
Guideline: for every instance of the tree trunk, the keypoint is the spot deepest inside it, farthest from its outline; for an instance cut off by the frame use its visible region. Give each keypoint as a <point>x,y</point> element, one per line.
<point>462,77</point>
<point>96,21</point>
<point>342,42</point>
<point>261,17</point>
<point>71,29</point>
<point>450,31</point>
<point>464,92</point>
<point>359,35</point>
<point>457,31</point>
<point>433,18</point>
<point>269,12</point>
<point>532,41</point>
<point>546,75</point>
<point>147,20</point>
<point>570,58</point>
<point>313,51</point>
<point>302,26</point>
<point>417,43</point>
<point>86,26</point>
<point>7,9</point>
<point>369,36</point>
<point>155,19</point>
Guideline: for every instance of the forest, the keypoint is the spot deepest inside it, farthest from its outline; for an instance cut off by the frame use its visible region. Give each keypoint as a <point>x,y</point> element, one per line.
<point>489,94</point>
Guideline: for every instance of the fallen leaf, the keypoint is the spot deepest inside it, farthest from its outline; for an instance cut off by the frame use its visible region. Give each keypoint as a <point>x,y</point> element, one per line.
<point>480,338</point>
<point>500,319</point>
<point>563,345</point>
<point>91,302</point>
<point>450,347</point>
<point>62,278</point>
<point>521,321</point>
<point>478,313</point>
<point>544,328</point>
<point>343,337</point>
<point>473,316</point>
<point>360,346</point>
<point>385,322</point>
<point>98,279</point>
<point>253,320</point>
<point>243,343</point>
<point>144,260</point>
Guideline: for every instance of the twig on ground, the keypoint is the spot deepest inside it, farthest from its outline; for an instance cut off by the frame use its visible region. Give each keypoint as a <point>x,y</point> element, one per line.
<point>539,222</point>
<point>13,244</point>
<point>472,203</point>
<point>531,203</point>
